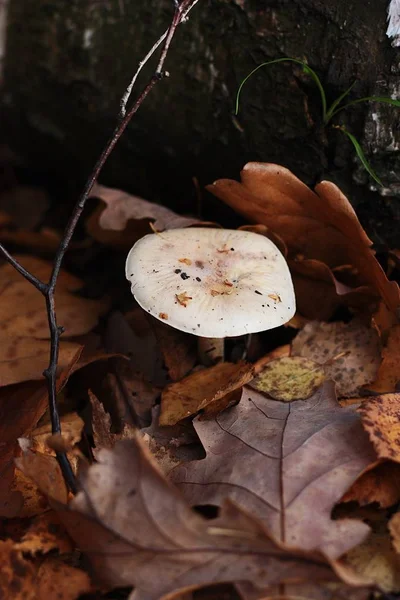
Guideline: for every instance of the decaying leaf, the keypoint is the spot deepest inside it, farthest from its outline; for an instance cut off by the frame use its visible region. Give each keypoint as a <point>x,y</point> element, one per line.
<point>288,464</point>
<point>350,352</point>
<point>320,225</point>
<point>376,559</point>
<point>16,574</point>
<point>290,378</point>
<point>45,471</point>
<point>45,534</point>
<point>197,391</point>
<point>388,375</point>
<point>394,528</point>
<point>57,579</point>
<point>380,484</point>
<point>381,420</point>
<point>136,530</point>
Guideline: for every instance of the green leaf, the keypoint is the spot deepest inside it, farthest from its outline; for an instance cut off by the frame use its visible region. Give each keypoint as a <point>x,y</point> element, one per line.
<point>360,153</point>
<point>336,103</point>
<point>383,99</point>
<point>306,69</point>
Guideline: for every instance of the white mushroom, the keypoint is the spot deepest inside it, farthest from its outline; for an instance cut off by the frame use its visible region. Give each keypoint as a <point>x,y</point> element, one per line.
<point>212,282</point>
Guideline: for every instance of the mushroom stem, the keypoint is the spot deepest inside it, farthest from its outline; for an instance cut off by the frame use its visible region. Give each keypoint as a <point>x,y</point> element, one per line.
<point>210,350</point>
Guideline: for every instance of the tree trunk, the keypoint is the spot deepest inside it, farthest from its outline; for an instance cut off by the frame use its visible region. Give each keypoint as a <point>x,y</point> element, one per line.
<point>68,63</point>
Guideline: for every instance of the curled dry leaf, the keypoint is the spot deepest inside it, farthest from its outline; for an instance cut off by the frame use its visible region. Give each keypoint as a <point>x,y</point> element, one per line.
<point>123,211</point>
<point>319,293</point>
<point>380,417</point>
<point>290,378</point>
<point>137,530</point>
<point>197,391</point>
<point>350,352</point>
<point>320,225</point>
<point>288,464</point>
<point>380,484</point>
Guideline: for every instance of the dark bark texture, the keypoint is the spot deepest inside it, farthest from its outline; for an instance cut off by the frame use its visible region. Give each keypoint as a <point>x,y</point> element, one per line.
<point>68,63</point>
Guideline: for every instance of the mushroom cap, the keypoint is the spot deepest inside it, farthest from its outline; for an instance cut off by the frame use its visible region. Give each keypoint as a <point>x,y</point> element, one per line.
<point>212,282</point>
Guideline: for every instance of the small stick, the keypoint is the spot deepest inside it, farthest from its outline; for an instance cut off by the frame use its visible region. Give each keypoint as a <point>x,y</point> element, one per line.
<point>48,288</point>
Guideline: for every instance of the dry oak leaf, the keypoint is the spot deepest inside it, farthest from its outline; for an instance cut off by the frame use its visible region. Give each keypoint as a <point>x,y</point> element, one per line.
<point>350,352</point>
<point>286,463</point>
<point>388,375</point>
<point>320,225</point>
<point>200,389</point>
<point>136,529</point>
<point>290,378</point>
<point>380,417</point>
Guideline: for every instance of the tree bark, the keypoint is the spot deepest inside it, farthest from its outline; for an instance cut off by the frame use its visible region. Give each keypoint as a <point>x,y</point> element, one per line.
<point>68,63</point>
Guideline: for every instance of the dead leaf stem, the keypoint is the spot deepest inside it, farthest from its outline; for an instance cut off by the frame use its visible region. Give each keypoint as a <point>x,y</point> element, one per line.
<point>48,288</point>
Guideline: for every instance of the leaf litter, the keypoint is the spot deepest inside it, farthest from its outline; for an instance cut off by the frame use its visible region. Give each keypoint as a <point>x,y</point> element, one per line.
<point>263,444</point>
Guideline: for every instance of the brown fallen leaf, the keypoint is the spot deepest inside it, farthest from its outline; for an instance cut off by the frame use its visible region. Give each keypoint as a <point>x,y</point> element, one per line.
<point>380,417</point>
<point>45,471</point>
<point>286,463</point>
<point>388,375</point>
<point>350,352</point>
<point>186,397</point>
<point>21,407</point>
<point>179,349</point>
<point>16,574</point>
<point>22,579</point>
<point>321,225</point>
<point>57,579</point>
<point>137,530</point>
<point>45,534</point>
<point>41,269</point>
<point>376,559</point>
<point>380,484</point>
<point>394,528</point>
<point>25,359</point>
<point>319,293</point>
<point>121,207</point>
<point>290,378</point>
<point>23,311</point>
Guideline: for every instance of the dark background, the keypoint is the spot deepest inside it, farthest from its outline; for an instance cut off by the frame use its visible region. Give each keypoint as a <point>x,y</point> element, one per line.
<point>68,62</point>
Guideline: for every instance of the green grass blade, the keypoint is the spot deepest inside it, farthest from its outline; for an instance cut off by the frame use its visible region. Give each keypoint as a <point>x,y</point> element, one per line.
<point>360,154</point>
<point>331,111</point>
<point>306,69</point>
<point>383,99</point>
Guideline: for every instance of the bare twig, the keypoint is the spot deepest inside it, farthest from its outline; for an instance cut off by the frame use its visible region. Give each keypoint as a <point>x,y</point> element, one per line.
<point>48,288</point>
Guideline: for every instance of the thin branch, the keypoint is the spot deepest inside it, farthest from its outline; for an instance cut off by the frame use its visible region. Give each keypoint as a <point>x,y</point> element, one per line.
<point>48,288</point>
